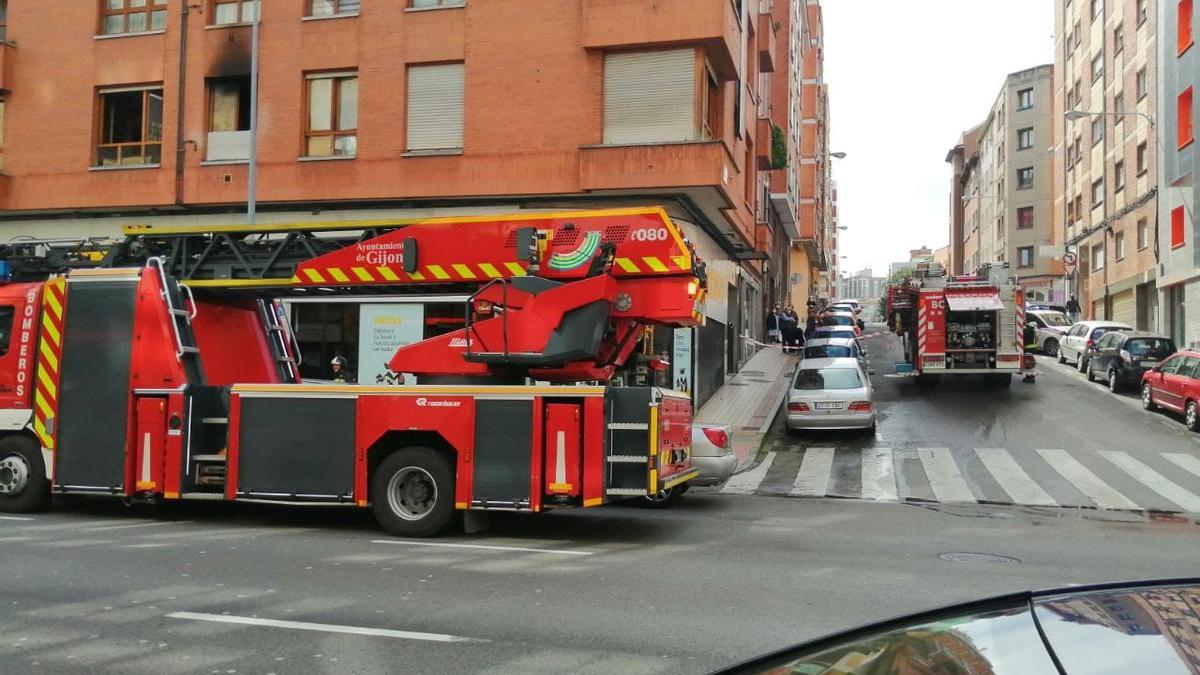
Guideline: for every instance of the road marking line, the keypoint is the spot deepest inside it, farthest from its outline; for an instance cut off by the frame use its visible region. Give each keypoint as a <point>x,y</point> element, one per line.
<point>320,627</point>
<point>14,518</point>
<point>1085,481</point>
<point>485,547</point>
<point>747,482</point>
<point>1012,478</point>
<point>812,480</point>
<point>1184,461</point>
<point>879,475</point>
<point>1153,480</point>
<point>133,525</point>
<point>944,477</point>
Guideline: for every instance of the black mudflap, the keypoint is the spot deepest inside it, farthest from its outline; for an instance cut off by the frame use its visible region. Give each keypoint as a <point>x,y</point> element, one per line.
<point>503,452</point>
<point>93,406</point>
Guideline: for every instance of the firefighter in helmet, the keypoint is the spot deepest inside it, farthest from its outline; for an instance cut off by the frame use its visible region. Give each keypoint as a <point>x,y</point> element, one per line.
<point>341,370</point>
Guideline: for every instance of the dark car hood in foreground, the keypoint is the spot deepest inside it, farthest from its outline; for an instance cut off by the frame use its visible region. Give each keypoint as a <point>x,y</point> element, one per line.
<point>1147,627</point>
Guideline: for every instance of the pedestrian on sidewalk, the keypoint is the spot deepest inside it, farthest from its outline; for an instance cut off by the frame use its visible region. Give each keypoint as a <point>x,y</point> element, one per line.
<point>793,335</point>
<point>775,324</point>
<point>1073,309</point>
<point>810,323</point>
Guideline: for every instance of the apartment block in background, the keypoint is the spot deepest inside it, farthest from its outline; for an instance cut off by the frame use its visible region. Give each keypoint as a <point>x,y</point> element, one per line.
<point>1105,54</point>
<point>1179,169</point>
<point>404,108</point>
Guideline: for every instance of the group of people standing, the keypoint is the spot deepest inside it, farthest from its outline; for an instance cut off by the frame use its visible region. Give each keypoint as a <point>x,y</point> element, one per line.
<point>784,327</point>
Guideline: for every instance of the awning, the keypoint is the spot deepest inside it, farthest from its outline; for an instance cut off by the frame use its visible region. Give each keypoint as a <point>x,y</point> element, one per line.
<point>979,301</point>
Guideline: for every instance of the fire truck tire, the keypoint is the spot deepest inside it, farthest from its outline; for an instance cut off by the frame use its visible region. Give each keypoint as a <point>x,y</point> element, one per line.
<point>23,484</point>
<point>412,493</point>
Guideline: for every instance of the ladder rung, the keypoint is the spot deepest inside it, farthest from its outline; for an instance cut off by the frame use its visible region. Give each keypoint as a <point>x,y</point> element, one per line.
<point>628,459</point>
<point>180,312</point>
<point>628,426</point>
<point>286,359</point>
<point>208,458</point>
<point>189,350</point>
<point>275,327</point>
<point>215,420</point>
<point>625,491</point>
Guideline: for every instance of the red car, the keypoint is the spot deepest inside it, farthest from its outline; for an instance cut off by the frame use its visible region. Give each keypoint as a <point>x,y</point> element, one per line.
<point>1174,385</point>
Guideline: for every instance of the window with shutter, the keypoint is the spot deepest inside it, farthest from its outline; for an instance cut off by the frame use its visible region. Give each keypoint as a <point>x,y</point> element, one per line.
<point>649,97</point>
<point>435,107</point>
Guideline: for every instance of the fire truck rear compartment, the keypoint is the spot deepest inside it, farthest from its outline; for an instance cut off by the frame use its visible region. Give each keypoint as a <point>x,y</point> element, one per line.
<point>971,339</point>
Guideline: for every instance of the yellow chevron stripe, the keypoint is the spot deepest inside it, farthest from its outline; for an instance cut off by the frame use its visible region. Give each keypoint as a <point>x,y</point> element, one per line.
<point>682,262</point>
<point>387,273</point>
<point>53,303</point>
<point>438,272</point>
<point>295,279</point>
<point>44,406</point>
<point>40,430</point>
<point>627,265</point>
<point>314,275</point>
<point>654,263</point>
<point>515,269</point>
<point>464,271</point>
<point>50,330</point>
<point>490,270</point>
<point>362,274</point>
<point>338,274</point>
<point>44,376</point>
<point>417,276</point>
<point>49,356</point>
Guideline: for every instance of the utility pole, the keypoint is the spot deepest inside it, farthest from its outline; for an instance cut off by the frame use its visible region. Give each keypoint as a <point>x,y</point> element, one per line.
<point>252,174</point>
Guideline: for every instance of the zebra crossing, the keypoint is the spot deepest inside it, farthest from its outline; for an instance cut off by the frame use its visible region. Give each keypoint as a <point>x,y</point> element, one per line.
<point>1048,477</point>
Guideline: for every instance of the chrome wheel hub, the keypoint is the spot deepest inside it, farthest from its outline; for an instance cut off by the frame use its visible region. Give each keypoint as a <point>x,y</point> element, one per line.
<point>14,475</point>
<point>412,493</point>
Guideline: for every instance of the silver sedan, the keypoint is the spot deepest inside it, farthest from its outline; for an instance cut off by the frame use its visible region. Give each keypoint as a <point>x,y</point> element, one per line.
<point>831,394</point>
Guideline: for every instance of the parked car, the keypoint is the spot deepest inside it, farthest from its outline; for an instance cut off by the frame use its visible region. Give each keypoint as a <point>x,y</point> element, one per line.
<point>1049,327</point>
<point>833,348</point>
<point>1042,307</point>
<point>712,453</point>
<point>1175,385</point>
<point>847,305</point>
<point>1121,357</point>
<point>827,332</point>
<point>843,319</point>
<point>831,394</point>
<point>1082,336</point>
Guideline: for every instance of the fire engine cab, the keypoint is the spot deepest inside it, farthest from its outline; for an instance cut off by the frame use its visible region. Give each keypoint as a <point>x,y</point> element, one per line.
<point>966,325</point>
<point>162,367</point>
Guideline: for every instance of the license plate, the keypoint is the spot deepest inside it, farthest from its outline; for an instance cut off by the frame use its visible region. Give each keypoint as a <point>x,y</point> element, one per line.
<point>1149,364</point>
<point>828,405</point>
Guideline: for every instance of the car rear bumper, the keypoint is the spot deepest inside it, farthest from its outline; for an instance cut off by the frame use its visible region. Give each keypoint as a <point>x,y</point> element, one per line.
<point>715,469</point>
<point>838,420</point>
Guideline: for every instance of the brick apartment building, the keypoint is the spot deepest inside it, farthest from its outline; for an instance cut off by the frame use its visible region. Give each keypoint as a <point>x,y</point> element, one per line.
<point>1105,71</point>
<point>138,111</point>
<point>1179,162</point>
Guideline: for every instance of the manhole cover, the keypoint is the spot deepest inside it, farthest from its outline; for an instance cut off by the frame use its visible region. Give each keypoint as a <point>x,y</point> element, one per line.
<point>979,558</point>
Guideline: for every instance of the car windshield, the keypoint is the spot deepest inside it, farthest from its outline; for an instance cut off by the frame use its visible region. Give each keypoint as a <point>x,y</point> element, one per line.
<point>827,352</point>
<point>1158,348</point>
<point>841,320</point>
<point>828,379</point>
<point>839,333</point>
<point>1054,318</point>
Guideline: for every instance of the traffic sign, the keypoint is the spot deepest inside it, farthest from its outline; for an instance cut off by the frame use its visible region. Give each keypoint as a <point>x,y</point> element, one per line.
<point>1070,262</point>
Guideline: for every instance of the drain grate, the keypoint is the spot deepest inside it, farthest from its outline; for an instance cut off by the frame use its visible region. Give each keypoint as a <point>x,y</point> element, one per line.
<point>979,558</point>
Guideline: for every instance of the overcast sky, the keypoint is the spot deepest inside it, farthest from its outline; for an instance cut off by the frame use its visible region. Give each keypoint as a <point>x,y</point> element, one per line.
<point>905,80</point>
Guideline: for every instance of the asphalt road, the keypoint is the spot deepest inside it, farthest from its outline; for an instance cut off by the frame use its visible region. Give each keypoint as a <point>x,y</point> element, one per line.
<point>94,586</point>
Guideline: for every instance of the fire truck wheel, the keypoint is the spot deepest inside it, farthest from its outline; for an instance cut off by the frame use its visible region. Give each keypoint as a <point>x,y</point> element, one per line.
<point>23,484</point>
<point>412,493</point>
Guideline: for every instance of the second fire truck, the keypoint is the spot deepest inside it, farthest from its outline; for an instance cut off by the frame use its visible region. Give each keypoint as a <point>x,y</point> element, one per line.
<point>966,325</point>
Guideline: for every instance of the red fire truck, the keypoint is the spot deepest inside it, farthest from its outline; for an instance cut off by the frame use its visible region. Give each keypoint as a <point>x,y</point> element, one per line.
<point>167,371</point>
<point>966,325</point>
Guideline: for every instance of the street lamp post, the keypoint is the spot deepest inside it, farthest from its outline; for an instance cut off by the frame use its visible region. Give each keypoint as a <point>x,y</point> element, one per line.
<point>252,169</point>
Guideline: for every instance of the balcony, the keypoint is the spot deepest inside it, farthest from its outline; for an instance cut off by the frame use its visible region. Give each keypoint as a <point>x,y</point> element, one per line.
<point>768,44</point>
<point>762,145</point>
<point>8,52</point>
<point>610,24</point>
<point>227,146</point>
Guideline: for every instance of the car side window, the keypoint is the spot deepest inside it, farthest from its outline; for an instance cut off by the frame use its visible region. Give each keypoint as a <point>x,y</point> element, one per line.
<point>1171,365</point>
<point>1188,367</point>
<point>1076,331</point>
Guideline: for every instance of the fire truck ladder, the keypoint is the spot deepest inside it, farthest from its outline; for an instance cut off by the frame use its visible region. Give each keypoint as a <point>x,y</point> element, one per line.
<point>285,350</point>
<point>181,321</point>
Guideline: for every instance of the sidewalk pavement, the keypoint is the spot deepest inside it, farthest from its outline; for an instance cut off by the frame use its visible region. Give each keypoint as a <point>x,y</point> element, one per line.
<point>749,400</point>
